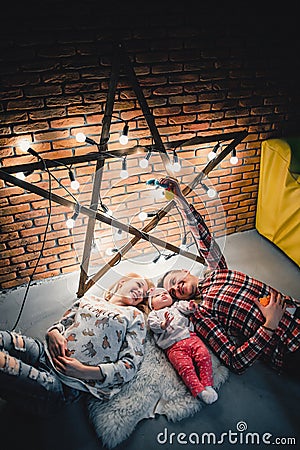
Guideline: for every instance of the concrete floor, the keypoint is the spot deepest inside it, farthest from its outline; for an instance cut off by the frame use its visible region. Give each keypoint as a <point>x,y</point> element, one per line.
<point>259,400</point>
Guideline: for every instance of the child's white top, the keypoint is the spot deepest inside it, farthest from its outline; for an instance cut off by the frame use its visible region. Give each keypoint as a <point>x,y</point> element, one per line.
<point>177,330</point>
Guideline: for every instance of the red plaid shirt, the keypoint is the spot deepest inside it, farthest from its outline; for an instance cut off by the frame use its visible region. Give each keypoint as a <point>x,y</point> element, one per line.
<point>227,313</point>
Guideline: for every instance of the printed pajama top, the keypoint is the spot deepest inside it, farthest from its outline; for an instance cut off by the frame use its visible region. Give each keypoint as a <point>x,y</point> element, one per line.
<point>102,334</point>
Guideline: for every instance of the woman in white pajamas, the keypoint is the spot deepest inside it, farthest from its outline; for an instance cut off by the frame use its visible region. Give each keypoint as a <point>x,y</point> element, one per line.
<point>94,349</point>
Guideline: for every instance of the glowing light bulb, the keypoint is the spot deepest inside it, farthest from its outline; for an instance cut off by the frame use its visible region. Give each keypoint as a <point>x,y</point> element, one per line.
<point>20,176</point>
<point>75,185</point>
<point>110,251</point>
<point>124,174</point>
<point>176,167</point>
<point>143,216</point>
<point>211,155</point>
<point>234,160</point>
<point>118,235</point>
<point>211,193</point>
<point>144,163</point>
<point>70,223</point>
<point>80,137</point>
<point>123,139</point>
<point>124,136</point>
<point>24,145</point>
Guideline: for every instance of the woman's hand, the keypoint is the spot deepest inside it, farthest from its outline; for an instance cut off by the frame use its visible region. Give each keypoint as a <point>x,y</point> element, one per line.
<point>57,343</point>
<point>274,311</point>
<point>74,368</point>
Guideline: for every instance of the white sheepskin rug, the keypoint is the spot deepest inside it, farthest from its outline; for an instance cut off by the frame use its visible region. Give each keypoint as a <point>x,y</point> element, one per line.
<point>155,389</point>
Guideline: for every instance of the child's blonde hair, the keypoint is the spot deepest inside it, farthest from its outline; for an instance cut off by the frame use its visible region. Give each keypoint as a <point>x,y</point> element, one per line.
<point>143,306</point>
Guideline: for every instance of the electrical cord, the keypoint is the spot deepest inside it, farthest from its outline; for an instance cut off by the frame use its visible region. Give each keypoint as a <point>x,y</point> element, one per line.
<point>45,232</point>
<point>41,251</point>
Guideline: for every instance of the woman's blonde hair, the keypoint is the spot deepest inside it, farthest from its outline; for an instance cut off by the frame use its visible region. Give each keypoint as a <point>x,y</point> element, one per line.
<point>143,306</point>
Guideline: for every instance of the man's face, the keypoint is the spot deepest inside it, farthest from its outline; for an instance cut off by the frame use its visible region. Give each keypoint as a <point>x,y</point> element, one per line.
<point>181,284</point>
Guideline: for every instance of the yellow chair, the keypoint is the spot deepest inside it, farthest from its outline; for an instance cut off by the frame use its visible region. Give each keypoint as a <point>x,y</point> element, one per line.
<point>278,203</point>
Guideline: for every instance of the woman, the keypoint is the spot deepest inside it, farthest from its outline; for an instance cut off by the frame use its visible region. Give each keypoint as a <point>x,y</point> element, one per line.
<point>95,348</point>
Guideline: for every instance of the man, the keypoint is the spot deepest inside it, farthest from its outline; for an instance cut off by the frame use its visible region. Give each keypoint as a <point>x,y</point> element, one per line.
<point>229,317</point>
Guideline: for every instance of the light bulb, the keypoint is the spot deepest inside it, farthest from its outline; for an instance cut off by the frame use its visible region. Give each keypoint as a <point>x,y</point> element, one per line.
<point>75,185</point>
<point>118,235</point>
<point>24,145</point>
<point>176,167</point>
<point>124,174</point>
<point>211,155</point>
<point>123,139</point>
<point>144,163</point>
<point>110,251</point>
<point>20,176</point>
<point>70,223</point>
<point>211,193</point>
<point>143,216</point>
<point>80,137</point>
<point>124,136</point>
<point>234,160</point>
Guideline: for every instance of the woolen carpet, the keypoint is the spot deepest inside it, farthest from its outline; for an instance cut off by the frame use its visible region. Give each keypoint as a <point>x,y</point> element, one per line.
<point>155,389</point>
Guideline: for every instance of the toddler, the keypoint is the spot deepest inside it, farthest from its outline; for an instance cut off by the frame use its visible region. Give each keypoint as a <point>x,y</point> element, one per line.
<point>174,333</point>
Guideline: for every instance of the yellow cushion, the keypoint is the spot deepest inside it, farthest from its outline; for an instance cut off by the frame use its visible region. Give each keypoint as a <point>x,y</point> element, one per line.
<point>278,204</point>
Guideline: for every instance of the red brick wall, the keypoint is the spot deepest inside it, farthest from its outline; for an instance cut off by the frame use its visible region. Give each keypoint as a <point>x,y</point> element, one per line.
<point>198,77</point>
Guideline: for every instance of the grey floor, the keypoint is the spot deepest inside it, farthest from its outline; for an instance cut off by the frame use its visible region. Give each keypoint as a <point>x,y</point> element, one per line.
<point>264,403</point>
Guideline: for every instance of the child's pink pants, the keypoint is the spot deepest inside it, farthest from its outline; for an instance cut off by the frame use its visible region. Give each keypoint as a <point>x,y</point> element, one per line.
<point>188,357</point>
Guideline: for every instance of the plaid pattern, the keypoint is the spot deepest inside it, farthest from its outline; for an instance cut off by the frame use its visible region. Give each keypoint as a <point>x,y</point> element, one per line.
<point>227,312</point>
<point>206,243</point>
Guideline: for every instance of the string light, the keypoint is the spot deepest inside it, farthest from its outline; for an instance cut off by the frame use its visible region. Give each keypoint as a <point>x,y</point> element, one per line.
<point>74,183</point>
<point>70,223</point>
<point>24,145</point>
<point>183,245</point>
<point>156,259</point>
<point>143,215</point>
<point>176,164</point>
<point>213,153</point>
<point>110,251</point>
<point>124,136</point>
<point>234,159</point>
<point>124,172</point>
<point>105,209</point>
<point>118,235</point>
<point>210,191</point>
<point>20,176</point>
<point>81,137</point>
<point>144,163</point>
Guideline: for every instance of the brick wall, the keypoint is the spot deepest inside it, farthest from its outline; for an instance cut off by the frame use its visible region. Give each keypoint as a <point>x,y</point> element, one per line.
<point>198,77</point>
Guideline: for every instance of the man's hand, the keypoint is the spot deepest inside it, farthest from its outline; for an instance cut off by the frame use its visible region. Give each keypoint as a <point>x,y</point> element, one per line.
<point>173,186</point>
<point>274,311</point>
